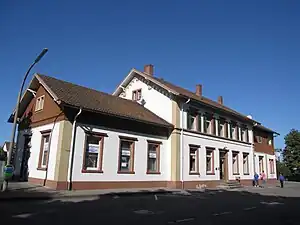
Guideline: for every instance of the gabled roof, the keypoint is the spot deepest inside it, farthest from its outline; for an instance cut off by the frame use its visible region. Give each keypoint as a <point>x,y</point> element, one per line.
<point>77,96</point>
<point>179,91</point>
<point>263,128</point>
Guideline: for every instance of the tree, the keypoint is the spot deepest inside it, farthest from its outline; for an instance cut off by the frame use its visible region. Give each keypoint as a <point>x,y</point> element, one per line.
<point>291,153</point>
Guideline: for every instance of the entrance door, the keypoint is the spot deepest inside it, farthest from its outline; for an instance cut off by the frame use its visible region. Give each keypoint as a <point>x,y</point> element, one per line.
<point>223,165</point>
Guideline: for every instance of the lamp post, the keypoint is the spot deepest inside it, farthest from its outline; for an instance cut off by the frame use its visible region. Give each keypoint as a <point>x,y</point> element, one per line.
<point>9,152</point>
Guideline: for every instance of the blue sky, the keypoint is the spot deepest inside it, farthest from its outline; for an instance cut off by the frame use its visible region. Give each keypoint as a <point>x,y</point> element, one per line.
<point>246,51</point>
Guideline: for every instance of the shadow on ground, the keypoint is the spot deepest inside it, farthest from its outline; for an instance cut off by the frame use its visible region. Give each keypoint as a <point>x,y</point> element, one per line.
<point>210,207</point>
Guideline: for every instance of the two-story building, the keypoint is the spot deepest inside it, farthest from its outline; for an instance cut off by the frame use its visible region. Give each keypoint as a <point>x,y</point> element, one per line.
<point>149,133</point>
<point>210,142</point>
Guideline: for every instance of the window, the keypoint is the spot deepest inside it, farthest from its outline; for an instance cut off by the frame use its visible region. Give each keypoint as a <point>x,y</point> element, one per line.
<point>259,139</point>
<point>269,141</point>
<point>137,95</point>
<point>246,163</point>
<point>194,159</point>
<point>272,167</point>
<point>208,124</point>
<point>192,120</point>
<point>261,164</point>
<point>233,131</point>
<point>243,134</point>
<point>209,161</point>
<point>126,155</point>
<point>153,160</point>
<point>93,152</point>
<point>235,163</point>
<point>44,150</point>
<point>39,104</point>
<point>221,128</point>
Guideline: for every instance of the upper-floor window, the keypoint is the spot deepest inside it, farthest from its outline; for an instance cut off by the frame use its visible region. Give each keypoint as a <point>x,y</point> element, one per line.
<point>39,104</point>
<point>269,141</point>
<point>222,127</point>
<point>137,95</point>
<point>233,130</point>
<point>259,139</point>
<point>208,124</point>
<point>192,120</point>
<point>244,134</point>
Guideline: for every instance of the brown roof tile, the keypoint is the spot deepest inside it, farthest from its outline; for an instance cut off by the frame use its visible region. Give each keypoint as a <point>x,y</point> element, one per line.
<point>89,99</point>
<point>192,95</point>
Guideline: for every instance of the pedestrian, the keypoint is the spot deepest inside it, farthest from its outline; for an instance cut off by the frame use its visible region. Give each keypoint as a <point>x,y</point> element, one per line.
<point>256,177</point>
<point>263,178</point>
<point>281,179</point>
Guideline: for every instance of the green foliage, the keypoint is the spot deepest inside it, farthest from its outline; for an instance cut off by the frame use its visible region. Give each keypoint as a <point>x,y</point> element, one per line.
<point>291,153</point>
<point>283,169</point>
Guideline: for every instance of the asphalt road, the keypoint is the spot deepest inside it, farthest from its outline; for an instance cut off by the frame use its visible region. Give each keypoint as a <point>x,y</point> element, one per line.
<point>234,207</point>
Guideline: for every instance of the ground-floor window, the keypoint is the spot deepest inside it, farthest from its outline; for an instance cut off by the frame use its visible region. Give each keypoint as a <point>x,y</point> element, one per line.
<point>261,164</point>
<point>126,155</point>
<point>235,163</point>
<point>246,163</point>
<point>93,154</point>
<point>44,150</point>
<point>194,159</point>
<point>209,161</point>
<point>153,159</point>
<point>272,166</point>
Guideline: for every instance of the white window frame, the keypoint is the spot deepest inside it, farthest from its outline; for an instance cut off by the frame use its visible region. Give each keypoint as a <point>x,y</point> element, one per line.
<point>222,124</point>
<point>39,103</point>
<point>194,152</point>
<point>246,163</point>
<point>211,156</point>
<point>43,150</point>
<point>235,163</point>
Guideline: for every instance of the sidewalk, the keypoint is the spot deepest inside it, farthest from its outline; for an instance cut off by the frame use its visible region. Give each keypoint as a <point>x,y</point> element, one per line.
<point>26,191</point>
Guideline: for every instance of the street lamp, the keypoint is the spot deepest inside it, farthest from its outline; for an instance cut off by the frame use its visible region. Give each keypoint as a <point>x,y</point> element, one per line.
<point>9,152</point>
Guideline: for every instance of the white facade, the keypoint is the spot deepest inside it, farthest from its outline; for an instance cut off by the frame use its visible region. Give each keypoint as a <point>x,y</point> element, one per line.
<point>155,101</point>
<point>36,138</point>
<point>265,164</point>
<point>111,157</point>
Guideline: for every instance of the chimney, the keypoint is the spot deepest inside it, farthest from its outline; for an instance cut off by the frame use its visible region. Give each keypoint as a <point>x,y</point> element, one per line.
<point>149,69</point>
<point>220,100</point>
<point>199,89</point>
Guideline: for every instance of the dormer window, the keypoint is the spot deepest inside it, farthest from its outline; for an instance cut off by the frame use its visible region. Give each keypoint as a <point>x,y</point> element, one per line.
<point>137,95</point>
<point>39,104</point>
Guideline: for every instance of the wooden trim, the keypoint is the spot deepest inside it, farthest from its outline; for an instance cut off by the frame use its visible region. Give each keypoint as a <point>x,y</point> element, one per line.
<point>95,133</point>
<point>100,153</point>
<point>44,134</point>
<point>194,146</point>
<point>154,142</point>
<point>126,138</point>
<point>157,157</point>
<point>132,147</point>
<point>212,150</point>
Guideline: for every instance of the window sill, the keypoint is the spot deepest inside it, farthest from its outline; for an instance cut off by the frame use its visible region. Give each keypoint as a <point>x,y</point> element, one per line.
<point>236,173</point>
<point>194,173</point>
<point>210,173</point>
<point>246,173</point>
<point>42,168</point>
<point>153,172</point>
<point>126,172</point>
<point>91,171</point>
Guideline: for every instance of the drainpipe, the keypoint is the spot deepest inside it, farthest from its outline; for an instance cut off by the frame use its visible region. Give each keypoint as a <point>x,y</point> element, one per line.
<point>73,150</point>
<point>181,144</point>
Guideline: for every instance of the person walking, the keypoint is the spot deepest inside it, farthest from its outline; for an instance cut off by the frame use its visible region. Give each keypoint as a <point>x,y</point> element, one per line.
<point>256,177</point>
<point>281,179</point>
<point>263,178</point>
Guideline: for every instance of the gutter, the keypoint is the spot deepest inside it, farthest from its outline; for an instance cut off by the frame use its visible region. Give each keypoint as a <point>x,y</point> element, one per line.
<point>73,150</point>
<point>181,145</point>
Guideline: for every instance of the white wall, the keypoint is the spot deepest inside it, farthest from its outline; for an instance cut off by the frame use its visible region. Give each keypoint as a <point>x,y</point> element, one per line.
<point>205,141</point>
<point>156,102</point>
<point>111,154</point>
<point>266,164</point>
<point>36,139</point>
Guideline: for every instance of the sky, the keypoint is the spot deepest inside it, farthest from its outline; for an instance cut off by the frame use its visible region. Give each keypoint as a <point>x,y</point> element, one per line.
<point>246,51</point>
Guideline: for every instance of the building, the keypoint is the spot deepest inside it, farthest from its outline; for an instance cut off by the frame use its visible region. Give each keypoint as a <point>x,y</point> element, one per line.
<point>149,133</point>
